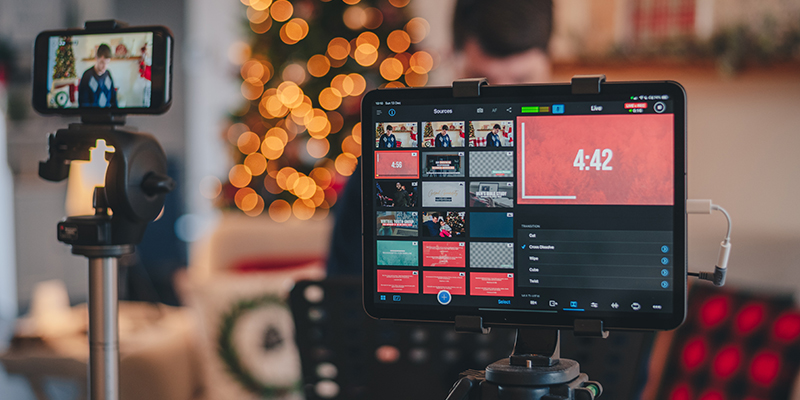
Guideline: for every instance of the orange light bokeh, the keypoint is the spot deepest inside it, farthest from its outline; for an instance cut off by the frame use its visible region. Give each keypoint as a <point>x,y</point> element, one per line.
<point>391,69</point>
<point>398,41</point>
<point>280,210</point>
<point>338,48</point>
<point>239,176</point>
<point>318,65</point>
<point>281,10</point>
<point>417,28</point>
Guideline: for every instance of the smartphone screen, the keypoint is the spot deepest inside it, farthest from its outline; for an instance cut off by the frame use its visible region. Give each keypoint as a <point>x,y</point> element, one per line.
<point>80,72</point>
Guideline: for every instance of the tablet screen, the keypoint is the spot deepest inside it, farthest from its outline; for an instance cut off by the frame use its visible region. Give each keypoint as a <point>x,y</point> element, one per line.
<point>526,205</point>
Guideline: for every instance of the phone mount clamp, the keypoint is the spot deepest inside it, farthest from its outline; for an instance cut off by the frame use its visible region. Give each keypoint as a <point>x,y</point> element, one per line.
<point>535,369</point>
<point>136,184</point>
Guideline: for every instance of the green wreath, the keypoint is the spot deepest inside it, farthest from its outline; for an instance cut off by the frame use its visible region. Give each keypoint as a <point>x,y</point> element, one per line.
<point>228,354</point>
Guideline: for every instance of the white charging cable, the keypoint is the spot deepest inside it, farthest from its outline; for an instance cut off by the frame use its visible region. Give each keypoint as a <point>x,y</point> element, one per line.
<point>704,206</point>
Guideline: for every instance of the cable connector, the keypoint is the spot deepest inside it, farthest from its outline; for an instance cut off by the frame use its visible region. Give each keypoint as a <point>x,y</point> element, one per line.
<point>705,206</point>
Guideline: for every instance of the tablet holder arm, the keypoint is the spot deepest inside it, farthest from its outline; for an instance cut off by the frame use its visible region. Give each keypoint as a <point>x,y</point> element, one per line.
<point>534,371</point>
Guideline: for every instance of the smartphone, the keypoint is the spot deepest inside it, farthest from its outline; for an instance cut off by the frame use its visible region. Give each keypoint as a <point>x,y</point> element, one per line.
<point>527,205</point>
<point>113,71</point>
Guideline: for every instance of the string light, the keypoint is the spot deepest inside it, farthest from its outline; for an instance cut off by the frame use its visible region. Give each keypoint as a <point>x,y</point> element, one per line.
<point>366,54</point>
<point>256,162</point>
<point>359,84</point>
<point>398,41</point>
<point>318,148</point>
<point>248,143</point>
<point>301,210</point>
<point>355,17</point>
<point>417,28</point>
<point>330,98</point>
<point>281,10</point>
<point>399,3</point>
<point>338,48</point>
<point>391,69</point>
<point>239,176</point>
<point>374,18</point>
<point>421,62</point>
<point>336,120</point>
<point>259,5</point>
<point>280,210</point>
<point>238,198</point>
<point>318,65</point>
<point>349,145</point>
<point>346,164</point>
<point>356,133</point>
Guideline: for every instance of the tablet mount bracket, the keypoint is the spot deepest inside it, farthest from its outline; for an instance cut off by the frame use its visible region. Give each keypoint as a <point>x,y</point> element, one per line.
<point>535,369</point>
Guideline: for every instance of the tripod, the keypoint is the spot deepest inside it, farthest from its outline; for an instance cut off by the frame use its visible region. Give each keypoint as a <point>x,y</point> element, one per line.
<point>534,371</point>
<point>135,187</point>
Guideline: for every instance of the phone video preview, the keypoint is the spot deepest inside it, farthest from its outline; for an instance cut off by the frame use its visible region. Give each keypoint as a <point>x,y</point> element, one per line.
<point>100,70</point>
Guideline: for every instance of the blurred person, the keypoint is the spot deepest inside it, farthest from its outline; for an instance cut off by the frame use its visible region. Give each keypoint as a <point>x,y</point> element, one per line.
<point>432,226</point>
<point>96,88</point>
<point>502,40</point>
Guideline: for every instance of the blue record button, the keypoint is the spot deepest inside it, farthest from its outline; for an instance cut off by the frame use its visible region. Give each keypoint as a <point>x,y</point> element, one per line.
<point>444,297</point>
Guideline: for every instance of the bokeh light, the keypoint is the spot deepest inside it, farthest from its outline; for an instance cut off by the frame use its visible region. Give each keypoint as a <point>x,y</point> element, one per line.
<point>356,133</point>
<point>359,84</point>
<point>336,120</point>
<point>271,185</point>
<point>366,54</point>
<point>374,18</point>
<point>257,163</point>
<point>256,16</point>
<point>318,65</point>
<point>248,143</point>
<point>351,2</point>
<point>259,5</point>
<point>414,79</point>
<point>355,17</point>
<point>330,98</point>
<point>421,62</point>
<point>258,207</point>
<point>296,29</point>
<point>394,84</point>
<point>338,48</point>
<point>294,73</point>
<point>399,3</point>
<point>318,148</point>
<point>252,88</point>
<point>398,41</point>
<point>322,176</point>
<point>238,198</point>
<point>301,210</point>
<point>249,201</point>
<point>285,36</point>
<point>236,130</point>
<point>417,28</point>
<point>280,210</point>
<point>262,27</point>
<point>368,38</point>
<point>346,164</point>
<point>282,10</point>
<point>391,69</point>
<point>272,148</point>
<point>210,187</point>
<point>349,145</point>
<point>239,176</point>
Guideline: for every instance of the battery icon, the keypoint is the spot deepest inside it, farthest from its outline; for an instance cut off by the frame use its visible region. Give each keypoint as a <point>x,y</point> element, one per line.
<point>530,109</point>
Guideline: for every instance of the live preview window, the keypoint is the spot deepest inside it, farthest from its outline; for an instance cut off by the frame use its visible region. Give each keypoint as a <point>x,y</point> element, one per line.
<point>526,205</point>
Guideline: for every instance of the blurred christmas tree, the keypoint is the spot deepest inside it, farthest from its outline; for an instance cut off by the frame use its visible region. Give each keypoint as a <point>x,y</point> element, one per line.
<point>307,66</point>
<point>65,60</point>
<point>427,135</point>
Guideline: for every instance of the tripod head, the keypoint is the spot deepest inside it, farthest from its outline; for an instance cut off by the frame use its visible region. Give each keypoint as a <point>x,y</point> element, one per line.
<point>135,188</point>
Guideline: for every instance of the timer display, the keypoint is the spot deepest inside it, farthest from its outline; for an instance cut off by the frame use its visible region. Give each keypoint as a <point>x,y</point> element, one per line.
<point>595,161</point>
<point>626,158</point>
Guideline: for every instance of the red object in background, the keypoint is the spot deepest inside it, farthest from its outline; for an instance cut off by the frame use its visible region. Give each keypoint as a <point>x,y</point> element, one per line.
<point>681,392</point>
<point>714,310</point>
<point>727,361</point>
<point>712,395</point>
<point>765,368</point>
<point>2,73</point>
<point>145,71</point>
<point>750,317</point>
<point>641,159</point>
<point>787,326</point>
<point>694,354</point>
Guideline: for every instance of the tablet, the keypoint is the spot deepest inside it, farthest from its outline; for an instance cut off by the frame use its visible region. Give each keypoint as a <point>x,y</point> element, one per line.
<point>526,205</point>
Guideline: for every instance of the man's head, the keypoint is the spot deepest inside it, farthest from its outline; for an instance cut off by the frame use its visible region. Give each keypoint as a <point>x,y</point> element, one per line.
<point>444,129</point>
<point>503,40</point>
<point>398,186</point>
<point>496,128</point>
<point>388,129</point>
<point>102,58</point>
<point>435,218</point>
